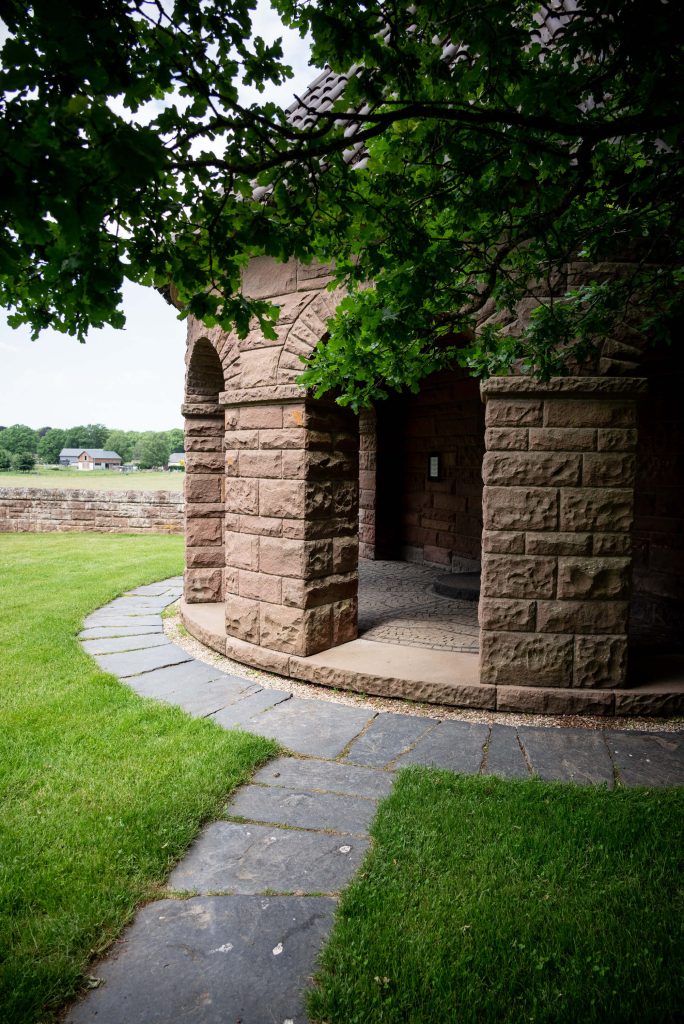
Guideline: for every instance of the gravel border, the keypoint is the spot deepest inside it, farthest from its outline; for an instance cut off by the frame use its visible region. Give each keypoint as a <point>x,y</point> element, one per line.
<point>178,634</point>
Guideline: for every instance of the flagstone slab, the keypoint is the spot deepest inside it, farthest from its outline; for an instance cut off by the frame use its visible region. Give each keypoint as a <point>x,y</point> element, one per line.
<point>140,605</point>
<point>205,699</point>
<point>133,663</point>
<point>387,737</point>
<point>183,680</point>
<point>301,809</point>
<point>648,759</point>
<point>240,715</point>
<point>505,757</point>
<point>211,960</point>
<point>318,728</point>
<point>245,858</point>
<point>457,746</point>
<point>107,618</point>
<point>568,755</point>
<point>93,632</point>
<point>116,644</point>
<point>325,777</point>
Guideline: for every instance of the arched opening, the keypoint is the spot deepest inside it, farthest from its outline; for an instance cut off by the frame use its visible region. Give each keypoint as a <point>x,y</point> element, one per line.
<point>204,481</point>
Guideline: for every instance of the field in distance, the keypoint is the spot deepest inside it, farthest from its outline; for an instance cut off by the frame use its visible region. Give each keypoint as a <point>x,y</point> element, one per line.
<point>96,479</point>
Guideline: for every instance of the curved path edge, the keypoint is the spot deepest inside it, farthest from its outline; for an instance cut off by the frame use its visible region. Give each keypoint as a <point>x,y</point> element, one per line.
<point>264,879</point>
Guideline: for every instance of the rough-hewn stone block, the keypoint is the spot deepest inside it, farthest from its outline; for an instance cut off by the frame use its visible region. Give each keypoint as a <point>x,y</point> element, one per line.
<point>562,439</point>
<point>242,551</point>
<point>284,439</point>
<point>259,367</point>
<point>610,440</point>
<point>519,508</point>
<point>612,544</point>
<point>204,462</point>
<point>204,426</point>
<point>604,510</point>
<point>204,558</point>
<point>582,616</point>
<point>531,469</point>
<point>604,470</point>
<point>345,554</point>
<point>501,439</point>
<point>344,621</point>
<point>283,498</point>
<point>242,496</point>
<point>558,543</point>
<point>263,277</point>
<point>311,593</point>
<point>260,464</point>
<point>586,412</point>
<point>203,586</point>
<point>513,413</point>
<point>260,416</point>
<point>281,557</point>
<point>264,526</point>
<point>518,576</point>
<point>282,629</point>
<point>242,618</point>
<point>595,579</point>
<point>239,439</point>
<point>259,586</point>
<point>525,659</point>
<point>507,615</point>
<point>503,543</point>
<point>600,661</point>
<point>203,488</point>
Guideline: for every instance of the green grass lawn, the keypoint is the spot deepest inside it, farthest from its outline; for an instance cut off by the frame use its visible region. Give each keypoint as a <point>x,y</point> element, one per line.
<point>492,901</point>
<point>97,479</point>
<point>100,790</point>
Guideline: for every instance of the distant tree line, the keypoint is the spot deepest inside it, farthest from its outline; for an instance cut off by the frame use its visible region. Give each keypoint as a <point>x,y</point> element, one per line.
<point>148,448</point>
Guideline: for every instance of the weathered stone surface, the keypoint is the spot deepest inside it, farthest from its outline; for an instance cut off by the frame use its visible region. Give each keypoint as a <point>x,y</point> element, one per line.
<point>50,510</point>
<point>246,859</point>
<point>95,632</point>
<point>609,511</point>
<point>204,462</point>
<point>325,777</point>
<point>301,809</point>
<point>518,576</point>
<point>585,412</point>
<point>258,367</point>
<point>604,470</point>
<point>203,558</point>
<point>260,464</point>
<point>242,550</point>
<point>242,496</point>
<point>203,532</point>
<point>617,440</point>
<point>647,759</point>
<point>260,586</point>
<point>507,412</point>
<point>503,543</point>
<point>568,755</point>
<point>573,439</point>
<point>504,755</point>
<point>554,701</point>
<point>582,616</point>
<point>661,701</point>
<point>612,544</point>
<point>105,617</point>
<point>531,469</point>
<point>457,746</point>
<point>197,959</point>
<point>388,736</point>
<point>282,629</point>
<point>558,543</point>
<point>520,508</point>
<point>242,618</point>
<point>203,586</point>
<point>133,663</point>
<point>525,659</point>
<point>594,578</point>
<point>282,557</point>
<point>600,661</point>
<point>174,679</point>
<point>238,714</point>
<point>202,699</point>
<point>299,593</point>
<point>263,277</point>
<point>115,644</point>
<point>203,487</point>
<point>317,728</point>
<point>237,440</point>
<point>499,439</point>
<point>507,614</point>
<point>282,498</point>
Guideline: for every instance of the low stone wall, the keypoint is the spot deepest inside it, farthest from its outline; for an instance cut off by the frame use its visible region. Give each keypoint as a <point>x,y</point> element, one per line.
<point>44,510</point>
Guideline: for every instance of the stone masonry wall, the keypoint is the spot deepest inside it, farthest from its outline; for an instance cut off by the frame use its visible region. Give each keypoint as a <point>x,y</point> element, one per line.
<point>558,510</point>
<point>44,510</point>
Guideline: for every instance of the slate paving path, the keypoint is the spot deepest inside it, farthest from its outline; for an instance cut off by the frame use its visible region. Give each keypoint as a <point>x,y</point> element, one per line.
<point>260,885</point>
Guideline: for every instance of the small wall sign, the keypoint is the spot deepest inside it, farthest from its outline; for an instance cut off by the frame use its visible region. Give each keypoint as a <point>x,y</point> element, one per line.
<point>434,467</point>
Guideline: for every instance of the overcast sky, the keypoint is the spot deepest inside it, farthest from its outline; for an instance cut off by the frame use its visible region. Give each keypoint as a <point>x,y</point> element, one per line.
<point>130,379</point>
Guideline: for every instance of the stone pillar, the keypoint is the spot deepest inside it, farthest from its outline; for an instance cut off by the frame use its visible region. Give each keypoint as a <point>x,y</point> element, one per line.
<point>556,563</point>
<point>368,458</point>
<point>291,542</point>
<point>204,557</point>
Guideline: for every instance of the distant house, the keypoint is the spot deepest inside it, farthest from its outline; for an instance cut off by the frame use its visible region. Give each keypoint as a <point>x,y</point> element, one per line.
<point>90,458</point>
<point>177,460</point>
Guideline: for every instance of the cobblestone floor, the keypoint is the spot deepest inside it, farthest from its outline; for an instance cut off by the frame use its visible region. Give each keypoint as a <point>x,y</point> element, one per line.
<point>397,605</point>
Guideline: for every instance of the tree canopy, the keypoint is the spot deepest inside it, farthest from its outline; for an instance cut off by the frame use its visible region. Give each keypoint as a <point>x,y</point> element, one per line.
<point>476,149</point>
